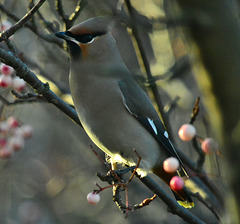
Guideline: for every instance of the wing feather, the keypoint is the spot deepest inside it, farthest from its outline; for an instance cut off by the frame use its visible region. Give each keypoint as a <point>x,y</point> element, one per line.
<point>133,99</point>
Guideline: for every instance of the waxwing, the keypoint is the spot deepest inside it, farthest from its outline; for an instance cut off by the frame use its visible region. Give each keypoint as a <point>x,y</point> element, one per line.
<point>114,111</point>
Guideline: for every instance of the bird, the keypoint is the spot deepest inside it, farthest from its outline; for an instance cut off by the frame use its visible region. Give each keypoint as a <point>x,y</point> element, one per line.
<point>114,111</point>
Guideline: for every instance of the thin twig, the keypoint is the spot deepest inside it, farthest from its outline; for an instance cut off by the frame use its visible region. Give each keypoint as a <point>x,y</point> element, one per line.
<point>60,10</point>
<point>50,26</point>
<point>201,154</point>
<point>79,7</point>
<point>171,105</point>
<point>209,206</point>
<point>110,168</point>
<point>21,101</point>
<point>118,188</point>
<point>6,34</point>
<point>47,37</point>
<point>27,96</point>
<point>69,20</point>
<point>153,86</point>
<point>145,202</point>
<point>195,111</point>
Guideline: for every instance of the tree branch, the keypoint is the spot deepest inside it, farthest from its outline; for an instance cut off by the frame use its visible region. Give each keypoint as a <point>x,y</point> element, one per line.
<point>172,204</point>
<point>69,20</point>
<point>23,72</point>
<point>6,34</point>
<point>153,86</point>
<point>47,37</point>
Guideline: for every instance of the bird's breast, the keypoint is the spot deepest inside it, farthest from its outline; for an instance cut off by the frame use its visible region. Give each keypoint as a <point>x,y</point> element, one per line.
<point>110,126</point>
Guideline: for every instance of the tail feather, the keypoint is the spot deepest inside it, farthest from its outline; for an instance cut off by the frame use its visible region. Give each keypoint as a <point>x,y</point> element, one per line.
<point>183,198</point>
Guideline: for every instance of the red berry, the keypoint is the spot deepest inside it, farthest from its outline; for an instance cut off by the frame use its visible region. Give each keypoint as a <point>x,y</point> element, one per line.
<point>6,69</point>
<point>187,132</point>
<point>209,145</point>
<point>176,183</point>
<point>170,164</point>
<point>93,198</point>
<point>12,122</point>
<point>5,81</point>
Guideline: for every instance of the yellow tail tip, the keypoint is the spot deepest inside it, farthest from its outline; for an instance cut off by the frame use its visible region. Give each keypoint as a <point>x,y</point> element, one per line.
<point>186,204</point>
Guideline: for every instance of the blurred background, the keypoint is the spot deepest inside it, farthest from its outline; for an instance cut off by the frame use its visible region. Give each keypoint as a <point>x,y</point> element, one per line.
<point>47,182</point>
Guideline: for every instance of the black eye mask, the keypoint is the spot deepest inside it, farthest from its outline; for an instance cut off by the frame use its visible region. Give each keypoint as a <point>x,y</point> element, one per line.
<point>84,38</point>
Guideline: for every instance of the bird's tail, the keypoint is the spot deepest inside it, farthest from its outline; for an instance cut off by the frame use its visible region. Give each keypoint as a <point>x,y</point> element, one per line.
<point>182,196</point>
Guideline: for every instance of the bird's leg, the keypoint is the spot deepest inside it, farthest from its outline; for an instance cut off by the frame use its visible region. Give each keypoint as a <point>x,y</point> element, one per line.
<point>127,202</point>
<point>112,166</point>
<point>130,179</point>
<point>117,184</point>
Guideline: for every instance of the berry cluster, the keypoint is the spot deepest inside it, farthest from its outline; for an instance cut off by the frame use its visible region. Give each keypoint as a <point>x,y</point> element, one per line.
<point>12,136</point>
<point>171,165</point>
<point>187,132</point>
<point>7,78</point>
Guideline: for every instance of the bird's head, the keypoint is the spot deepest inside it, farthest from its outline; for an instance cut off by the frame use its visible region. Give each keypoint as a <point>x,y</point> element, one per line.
<point>91,39</point>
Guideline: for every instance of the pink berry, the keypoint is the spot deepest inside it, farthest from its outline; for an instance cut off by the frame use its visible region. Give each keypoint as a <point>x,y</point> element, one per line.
<point>6,153</point>
<point>5,25</point>
<point>93,198</point>
<point>16,142</point>
<point>209,145</point>
<point>176,183</point>
<point>6,69</point>
<point>13,123</point>
<point>187,132</point>
<point>18,132</point>
<point>170,164</point>
<point>27,131</point>
<point>18,84</point>
<point>5,81</point>
<point>4,127</point>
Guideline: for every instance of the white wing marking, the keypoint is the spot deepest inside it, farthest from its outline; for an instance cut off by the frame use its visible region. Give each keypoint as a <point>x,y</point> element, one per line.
<point>152,125</point>
<point>166,134</point>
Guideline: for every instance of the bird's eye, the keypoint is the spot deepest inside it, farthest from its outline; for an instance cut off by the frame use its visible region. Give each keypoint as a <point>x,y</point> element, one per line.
<point>86,38</point>
<point>83,38</point>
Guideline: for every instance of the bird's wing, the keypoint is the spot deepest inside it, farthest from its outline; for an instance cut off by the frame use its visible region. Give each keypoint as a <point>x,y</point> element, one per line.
<point>139,105</point>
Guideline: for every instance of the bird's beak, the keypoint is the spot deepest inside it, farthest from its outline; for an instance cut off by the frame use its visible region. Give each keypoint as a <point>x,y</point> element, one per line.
<point>62,35</point>
<point>65,36</point>
<point>73,44</point>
